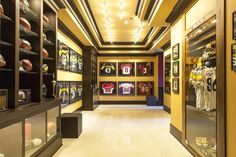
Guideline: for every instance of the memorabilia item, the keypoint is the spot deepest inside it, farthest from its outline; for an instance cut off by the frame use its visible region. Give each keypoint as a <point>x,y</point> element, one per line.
<point>2,61</point>
<point>24,44</point>
<point>126,88</point>
<point>168,74</point>
<point>126,69</point>
<point>25,65</point>
<point>45,21</point>
<point>3,99</point>
<point>1,10</point>
<point>45,53</point>
<point>24,96</point>
<point>54,82</point>
<point>80,90</point>
<point>175,52</point>
<point>44,37</point>
<point>63,57</point>
<point>44,91</point>
<point>107,68</point>
<point>73,61</point>
<point>25,6</point>
<point>234,25</point>
<point>73,92</point>
<point>144,68</point>
<point>176,68</point>
<point>107,88</point>
<point>25,24</point>
<point>175,86</point>
<point>63,92</point>
<point>145,88</point>
<point>80,64</point>
<point>25,2</point>
<point>45,68</point>
<point>233,57</point>
<point>36,142</point>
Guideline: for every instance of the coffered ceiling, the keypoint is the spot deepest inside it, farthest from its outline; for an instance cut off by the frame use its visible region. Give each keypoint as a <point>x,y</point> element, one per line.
<point>120,26</point>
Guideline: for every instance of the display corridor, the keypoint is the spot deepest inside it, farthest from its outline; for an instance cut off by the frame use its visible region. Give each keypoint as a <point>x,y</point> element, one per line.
<point>124,131</point>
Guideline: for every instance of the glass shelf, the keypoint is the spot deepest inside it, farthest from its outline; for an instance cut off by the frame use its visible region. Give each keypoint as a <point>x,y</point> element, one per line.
<point>5,70</point>
<point>5,18</point>
<point>27,52</point>
<point>26,72</point>
<point>5,44</point>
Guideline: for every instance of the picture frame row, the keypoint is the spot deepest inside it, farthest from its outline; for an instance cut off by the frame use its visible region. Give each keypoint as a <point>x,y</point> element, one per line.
<point>126,88</point>
<point>126,69</point>
<point>69,91</point>
<point>68,59</point>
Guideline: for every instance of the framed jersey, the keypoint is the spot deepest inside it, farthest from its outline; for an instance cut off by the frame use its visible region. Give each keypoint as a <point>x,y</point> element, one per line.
<point>73,91</point>
<point>233,57</point>
<point>80,90</point>
<point>63,56</point>
<point>107,88</point>
<point>62,89</point>
<point>73,61</point>
<point>175,85</point>
<point>175,69</point>
<point>107,68</point>
<point>80,64</point>
<point>175,52</point>
<point>145,88</point>
<point>234,25</point>
<point>144,68</point>
<point>126,88</point>
<point>126,69</point>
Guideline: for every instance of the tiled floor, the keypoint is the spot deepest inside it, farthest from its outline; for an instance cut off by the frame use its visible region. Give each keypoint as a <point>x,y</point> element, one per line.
<point>124,131</point>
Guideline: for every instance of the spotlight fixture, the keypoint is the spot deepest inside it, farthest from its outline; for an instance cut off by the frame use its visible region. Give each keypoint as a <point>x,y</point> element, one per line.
<point>126,22</point>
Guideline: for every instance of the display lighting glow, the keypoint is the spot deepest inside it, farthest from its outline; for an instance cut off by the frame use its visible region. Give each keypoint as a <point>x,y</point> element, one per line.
<point>107,21</point>
<point>121,6</point>
<point>140,29</point>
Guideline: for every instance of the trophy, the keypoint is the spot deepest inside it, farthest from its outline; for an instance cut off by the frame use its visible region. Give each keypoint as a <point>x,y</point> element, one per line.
<point>54,82</point>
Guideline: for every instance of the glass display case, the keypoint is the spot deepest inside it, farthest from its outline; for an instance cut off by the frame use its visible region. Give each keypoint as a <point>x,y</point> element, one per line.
<point>9,136</point>
<point>52,122</point>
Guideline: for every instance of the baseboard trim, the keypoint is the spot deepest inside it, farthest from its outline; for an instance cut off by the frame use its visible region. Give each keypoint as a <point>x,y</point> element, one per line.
<point>176,133</point>
<point>122,102</point>
<point>167,109</point>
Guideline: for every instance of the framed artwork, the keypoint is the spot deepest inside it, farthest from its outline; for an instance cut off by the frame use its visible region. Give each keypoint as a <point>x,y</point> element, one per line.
<point>175,85</point>
<point>73,61</point>
<point>73,91</point>
<point>144,68</point>
<point>234,25</point>
<point>63,56</point>
<point>80,64</point>
<point>107,88</point>
<point>233,57</point>
<point>145,88</point>
<point>107,68</point>
<point>126,88</point>
<point>126,69</point>
<point>80,90</point>
<point>63,92</point>
<point>175,68</point>
<point>175,52</point>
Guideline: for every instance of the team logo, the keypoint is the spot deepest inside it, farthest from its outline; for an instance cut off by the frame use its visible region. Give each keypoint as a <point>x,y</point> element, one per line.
<point>126,69</point>
<point>107,88</point>
<point>108,69</point>
<point>145,88</point>
<point>126,88</point>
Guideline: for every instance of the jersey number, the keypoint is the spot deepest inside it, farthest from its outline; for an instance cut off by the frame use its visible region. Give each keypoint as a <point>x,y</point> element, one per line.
<point>108,70</point>
<point>211,85</point>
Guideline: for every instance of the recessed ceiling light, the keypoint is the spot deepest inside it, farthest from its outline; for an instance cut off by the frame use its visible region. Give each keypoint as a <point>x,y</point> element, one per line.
<point>126,22</point>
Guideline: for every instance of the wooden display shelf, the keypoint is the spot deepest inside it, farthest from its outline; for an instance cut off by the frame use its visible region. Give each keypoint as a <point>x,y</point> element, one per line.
<point>26,72</point>
<point>5,44</point>
<point>27,52</point>
<point>24,33</point>
<point>48,58</point>
<point>47,74</point>
<point>5,70</point>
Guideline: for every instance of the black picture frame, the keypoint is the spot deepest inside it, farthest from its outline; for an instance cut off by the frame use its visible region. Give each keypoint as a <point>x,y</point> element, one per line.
<point>234,25</point>
<point>175,85</point>
<point>73,61</point>
<point>63,56</point>
<point>63,92</point>
<point>144,68</point>
<point>145,88</point>
<point>80,90</point>
<point>108,88</point>
<point>175,69</point>
<point>126,69</point>
<point>129,89</point>
<point>80,64</point>
<point>233,57</point>
<point>73,92</point>
<point>107,68</point>
<point>175,52</point>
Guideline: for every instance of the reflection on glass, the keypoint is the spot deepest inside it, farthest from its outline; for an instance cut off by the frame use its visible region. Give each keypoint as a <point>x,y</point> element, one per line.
<point>53,115</point>
<point>35,133</point>
<point>201,89</point>
<point>9,136</point>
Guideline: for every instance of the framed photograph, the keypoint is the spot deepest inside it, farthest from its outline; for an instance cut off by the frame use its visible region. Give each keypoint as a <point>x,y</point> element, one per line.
<point>63,92</point>
<point>126,88</point>
<point>234,25</point>
<point>63,56</point>
<point>107,68</point>
<point>175,85</point>
<point>126,69</point>
<point>145,88</point>
<point>73,91</point>
<point>145,68</point>
<point>80,64</point>
<point>80,90</point>
<point>107,88</point>
<point>175,52</point>
<point>73,61</point>
<point>233,57</point>
<point>175,69</point>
